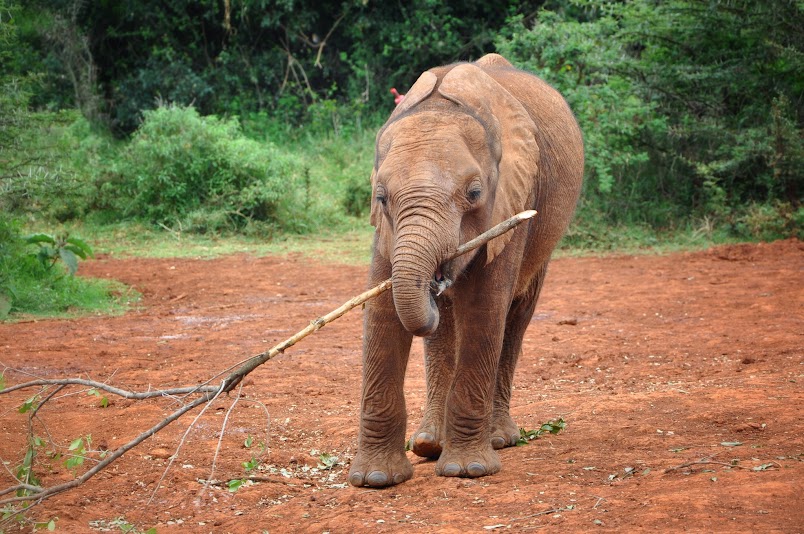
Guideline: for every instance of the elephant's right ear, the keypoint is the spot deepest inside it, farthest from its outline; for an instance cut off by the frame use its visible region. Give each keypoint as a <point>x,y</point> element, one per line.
<point>418,91</point>
<point>470,86</point>
<point>384,236</point>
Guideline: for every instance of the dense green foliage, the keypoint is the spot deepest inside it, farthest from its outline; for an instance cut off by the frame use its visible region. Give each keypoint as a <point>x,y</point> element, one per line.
<point>36,273</point>
<point>240,57</point>
<point>181,166</point>
<point>690,108</point>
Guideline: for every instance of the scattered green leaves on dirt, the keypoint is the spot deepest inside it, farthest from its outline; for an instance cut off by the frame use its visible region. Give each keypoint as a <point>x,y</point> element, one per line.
<point>104,402</point>
<point>121,523</point>
<point>553,426</point>
<point>328,461</point>
<point>235,484</point>
<point>49,525</point>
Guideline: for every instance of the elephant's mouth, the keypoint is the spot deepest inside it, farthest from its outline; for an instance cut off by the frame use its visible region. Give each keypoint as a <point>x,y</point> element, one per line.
<point>441,281</point>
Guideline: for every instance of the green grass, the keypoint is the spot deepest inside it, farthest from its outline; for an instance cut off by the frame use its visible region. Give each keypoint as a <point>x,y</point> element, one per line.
<point>585,238</point>
<point>349,244</point>
<point>70,296</point>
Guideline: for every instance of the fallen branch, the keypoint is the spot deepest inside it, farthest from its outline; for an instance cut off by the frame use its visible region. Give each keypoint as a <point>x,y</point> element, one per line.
<point>33,494</point>
<point>37,493</point>
<point>704,461</point>
<point>233,379</point>
<point>708,461</point>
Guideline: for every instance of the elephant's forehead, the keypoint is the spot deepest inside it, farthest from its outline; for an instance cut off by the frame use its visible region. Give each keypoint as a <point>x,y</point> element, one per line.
<point>433,137</point>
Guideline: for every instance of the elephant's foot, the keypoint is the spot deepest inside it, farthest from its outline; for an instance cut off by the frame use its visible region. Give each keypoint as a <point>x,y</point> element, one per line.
<point>426,441</point>
<point>470,463</point>
<point>504,432</point>
<point>380,469</point>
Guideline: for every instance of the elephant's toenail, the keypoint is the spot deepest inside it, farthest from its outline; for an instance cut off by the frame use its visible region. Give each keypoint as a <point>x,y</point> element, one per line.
<point>451,470</point>
<point>475,469</point>
<point>399,478</point>
<point>377,479</point>
<point>497,442</point>
<point>356,479</point>
<point>424,438</point>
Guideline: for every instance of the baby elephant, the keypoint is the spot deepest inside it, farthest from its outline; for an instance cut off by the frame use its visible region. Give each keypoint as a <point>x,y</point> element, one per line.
<point>470,145</point>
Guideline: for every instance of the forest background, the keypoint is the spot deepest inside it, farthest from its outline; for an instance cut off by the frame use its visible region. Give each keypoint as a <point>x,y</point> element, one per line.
<point>139,121</point>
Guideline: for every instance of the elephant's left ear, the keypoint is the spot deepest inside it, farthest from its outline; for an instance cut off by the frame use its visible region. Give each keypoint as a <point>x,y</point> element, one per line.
<point>468,85</point>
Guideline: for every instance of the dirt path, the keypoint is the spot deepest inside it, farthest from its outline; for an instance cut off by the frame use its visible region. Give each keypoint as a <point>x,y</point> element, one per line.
<point>653,361</point>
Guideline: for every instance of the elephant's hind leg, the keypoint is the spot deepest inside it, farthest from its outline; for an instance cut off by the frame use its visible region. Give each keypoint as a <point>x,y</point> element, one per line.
<point>439,357</point>
<point>504,431</point>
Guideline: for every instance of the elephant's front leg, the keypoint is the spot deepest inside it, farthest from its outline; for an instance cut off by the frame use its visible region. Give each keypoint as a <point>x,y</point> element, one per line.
<point>439,353</point>
<point>381,459</point>
<point>480,324</point>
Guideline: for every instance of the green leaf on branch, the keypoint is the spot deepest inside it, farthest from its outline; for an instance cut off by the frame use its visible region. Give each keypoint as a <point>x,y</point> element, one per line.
<point>70,259</point>
<point>29,404</point>
<point>35,239</point>
<point>77,245</point>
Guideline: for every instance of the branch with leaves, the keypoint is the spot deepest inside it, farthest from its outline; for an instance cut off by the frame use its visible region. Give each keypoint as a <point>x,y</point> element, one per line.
<point>28,490</point>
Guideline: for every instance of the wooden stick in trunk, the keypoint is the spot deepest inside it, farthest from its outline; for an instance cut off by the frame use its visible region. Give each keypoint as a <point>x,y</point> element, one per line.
<point>233,379</point>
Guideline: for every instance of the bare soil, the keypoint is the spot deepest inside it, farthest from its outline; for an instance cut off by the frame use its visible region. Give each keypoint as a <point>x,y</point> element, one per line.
<point>655,362</point>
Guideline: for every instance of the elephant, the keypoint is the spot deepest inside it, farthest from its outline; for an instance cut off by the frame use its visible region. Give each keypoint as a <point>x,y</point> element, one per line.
<point>470,145</point>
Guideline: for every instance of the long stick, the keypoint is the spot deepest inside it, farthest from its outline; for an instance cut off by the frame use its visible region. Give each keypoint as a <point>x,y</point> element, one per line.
<point>252,363</point>
<point>37,494</point>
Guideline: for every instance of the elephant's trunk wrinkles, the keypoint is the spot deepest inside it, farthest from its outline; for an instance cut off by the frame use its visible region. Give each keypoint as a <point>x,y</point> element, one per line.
<point>417,256</point>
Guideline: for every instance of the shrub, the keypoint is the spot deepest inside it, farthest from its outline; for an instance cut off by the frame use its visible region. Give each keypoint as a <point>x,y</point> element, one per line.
<point>357,196</point>
<point>689,108</point>
<point>179,163</point>
<point>579,60</point>
<point>769,221</point>
<point>54,176</point>
<point>38,279</point>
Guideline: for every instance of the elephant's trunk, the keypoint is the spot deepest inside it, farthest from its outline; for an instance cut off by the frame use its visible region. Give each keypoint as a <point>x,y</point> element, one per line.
<point>417,256</point>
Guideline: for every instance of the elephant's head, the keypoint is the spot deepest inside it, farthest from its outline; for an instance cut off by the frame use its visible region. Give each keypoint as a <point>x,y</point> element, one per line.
<point>449,165</point>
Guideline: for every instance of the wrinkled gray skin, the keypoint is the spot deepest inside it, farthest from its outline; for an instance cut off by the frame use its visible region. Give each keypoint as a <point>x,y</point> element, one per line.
<point>471,145</point>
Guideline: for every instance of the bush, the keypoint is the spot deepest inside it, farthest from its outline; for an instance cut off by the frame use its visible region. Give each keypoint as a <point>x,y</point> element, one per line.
<point>180,167</point>
<point>54,175</point>
<point>690,109</point>
<point>770,221</point>
<point>579,60</point>
<point>35,283</point>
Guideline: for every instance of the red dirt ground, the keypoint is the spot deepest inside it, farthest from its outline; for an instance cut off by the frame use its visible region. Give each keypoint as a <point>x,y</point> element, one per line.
<point>653,361</point>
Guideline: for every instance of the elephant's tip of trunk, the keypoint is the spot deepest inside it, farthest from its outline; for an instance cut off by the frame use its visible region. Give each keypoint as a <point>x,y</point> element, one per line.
<point>426,330</point>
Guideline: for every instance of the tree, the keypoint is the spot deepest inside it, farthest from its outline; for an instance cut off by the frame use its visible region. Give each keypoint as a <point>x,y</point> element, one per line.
<point>688,106</point>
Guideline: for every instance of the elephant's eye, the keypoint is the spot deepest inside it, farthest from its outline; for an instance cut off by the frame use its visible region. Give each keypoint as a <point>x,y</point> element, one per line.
<point>473,195</point>
<point>381,196</point>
